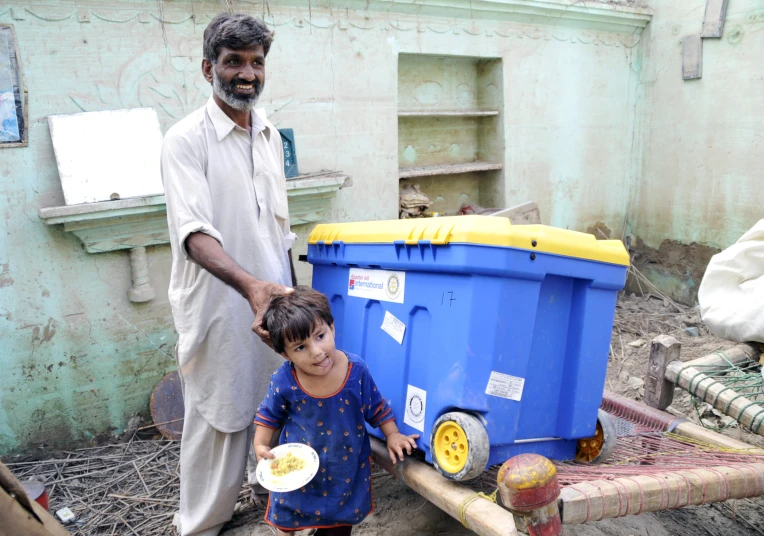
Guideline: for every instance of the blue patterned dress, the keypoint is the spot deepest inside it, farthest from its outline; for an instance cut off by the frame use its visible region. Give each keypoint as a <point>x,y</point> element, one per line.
<point>340,494</point>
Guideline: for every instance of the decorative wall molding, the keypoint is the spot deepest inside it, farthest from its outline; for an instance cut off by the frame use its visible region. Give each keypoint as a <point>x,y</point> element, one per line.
<point>548,12</point>
<point>170,83</point>
<point>540,19</point>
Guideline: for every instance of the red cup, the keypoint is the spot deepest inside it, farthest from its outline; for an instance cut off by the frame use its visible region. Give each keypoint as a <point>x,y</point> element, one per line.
<point>35,490</point>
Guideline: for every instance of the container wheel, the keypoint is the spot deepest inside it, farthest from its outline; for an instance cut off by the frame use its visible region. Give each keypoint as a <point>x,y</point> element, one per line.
<point>459,446</point>
<point>598,448</point>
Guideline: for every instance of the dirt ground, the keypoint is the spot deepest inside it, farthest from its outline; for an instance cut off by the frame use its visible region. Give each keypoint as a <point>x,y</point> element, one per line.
<point>402,512</point>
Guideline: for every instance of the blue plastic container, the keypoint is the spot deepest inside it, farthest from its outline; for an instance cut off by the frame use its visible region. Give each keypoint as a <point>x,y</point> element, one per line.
<point>511,324</point>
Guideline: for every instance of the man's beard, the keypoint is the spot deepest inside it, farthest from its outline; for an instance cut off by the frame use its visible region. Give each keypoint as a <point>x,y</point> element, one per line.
<point>243,103</point>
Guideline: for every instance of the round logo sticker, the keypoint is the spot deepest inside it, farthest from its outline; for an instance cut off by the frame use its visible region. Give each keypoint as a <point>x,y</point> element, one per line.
<point>416,408</point>
<point>393,287</point>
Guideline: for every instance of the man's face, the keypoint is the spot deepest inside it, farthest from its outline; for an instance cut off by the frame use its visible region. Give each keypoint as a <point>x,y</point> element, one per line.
<point>238,76</point>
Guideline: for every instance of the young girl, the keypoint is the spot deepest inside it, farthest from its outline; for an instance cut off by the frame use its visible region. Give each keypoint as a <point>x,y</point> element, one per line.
<point>323,398</point>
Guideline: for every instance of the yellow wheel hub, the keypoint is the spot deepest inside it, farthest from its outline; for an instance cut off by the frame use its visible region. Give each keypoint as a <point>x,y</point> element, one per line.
<point>589,448</point>
<point>451,447</point>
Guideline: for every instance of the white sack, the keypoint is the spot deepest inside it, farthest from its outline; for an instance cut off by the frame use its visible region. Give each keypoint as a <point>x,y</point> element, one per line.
<point>731,294</point>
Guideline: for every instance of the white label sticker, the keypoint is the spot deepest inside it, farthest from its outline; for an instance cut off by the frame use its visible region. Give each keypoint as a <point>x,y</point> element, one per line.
<point>393,327</point>
<point>416,404</point>
<point>505,386</point>
<point>380,285</point>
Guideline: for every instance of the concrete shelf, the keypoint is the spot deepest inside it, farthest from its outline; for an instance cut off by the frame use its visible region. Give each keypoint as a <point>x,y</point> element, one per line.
<point>446,169</point>
<point>135,223</point>
<point>131,224</point>
<point>310,195</point>
<point>448,113</point>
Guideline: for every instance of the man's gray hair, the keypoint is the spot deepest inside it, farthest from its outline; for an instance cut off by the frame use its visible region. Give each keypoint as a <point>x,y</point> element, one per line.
<point>235,31</point>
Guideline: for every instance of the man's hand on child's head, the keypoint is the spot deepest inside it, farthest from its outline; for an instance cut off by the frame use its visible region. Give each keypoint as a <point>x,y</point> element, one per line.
<point>259,295</point>
<point>397,443</point>
<point>263,451</point>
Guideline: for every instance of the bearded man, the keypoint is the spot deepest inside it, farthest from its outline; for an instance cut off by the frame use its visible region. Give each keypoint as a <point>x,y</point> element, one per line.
<point>223,174</point>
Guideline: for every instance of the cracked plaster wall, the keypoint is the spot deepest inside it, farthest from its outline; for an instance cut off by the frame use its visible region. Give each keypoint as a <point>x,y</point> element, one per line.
<point>77,358</point>
<point>700,184</point>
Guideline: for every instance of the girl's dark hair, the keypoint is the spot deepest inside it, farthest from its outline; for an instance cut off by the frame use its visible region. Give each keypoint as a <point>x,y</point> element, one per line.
<point>235,31</point>
<point>293,317</point>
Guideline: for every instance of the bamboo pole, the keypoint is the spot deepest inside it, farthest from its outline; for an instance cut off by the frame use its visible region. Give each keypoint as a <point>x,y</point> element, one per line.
<point>483,517</point>
<point>693,431</point>
<point>736,355</point>
<point>602,499</point>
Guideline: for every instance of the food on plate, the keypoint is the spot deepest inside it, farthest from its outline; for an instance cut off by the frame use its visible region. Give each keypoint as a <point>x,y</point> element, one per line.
<point>288,464</point>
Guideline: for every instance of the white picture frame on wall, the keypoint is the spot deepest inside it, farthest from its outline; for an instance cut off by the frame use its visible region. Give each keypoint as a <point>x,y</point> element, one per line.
<point>13,95</point>
<point>107,155</point>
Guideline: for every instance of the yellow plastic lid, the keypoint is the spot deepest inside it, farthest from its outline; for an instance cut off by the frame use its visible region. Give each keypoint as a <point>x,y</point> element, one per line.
<point>485,230</point>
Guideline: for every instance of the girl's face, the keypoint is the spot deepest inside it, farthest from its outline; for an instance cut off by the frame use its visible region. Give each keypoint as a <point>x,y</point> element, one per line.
<point>313,356</point>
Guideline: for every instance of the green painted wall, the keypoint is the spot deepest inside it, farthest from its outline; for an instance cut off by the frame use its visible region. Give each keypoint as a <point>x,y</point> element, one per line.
<point>702,143</point>
<point>77,358</point>
<point>703,139</point>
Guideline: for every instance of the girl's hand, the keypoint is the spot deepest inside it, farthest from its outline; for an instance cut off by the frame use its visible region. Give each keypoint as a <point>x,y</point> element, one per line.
<point>263,451</point>
<point>397,443</point>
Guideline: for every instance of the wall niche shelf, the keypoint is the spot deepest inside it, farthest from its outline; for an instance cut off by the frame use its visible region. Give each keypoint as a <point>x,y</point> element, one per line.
<point>447,113</point>
<point>450,129</point>
<point>446,169</point>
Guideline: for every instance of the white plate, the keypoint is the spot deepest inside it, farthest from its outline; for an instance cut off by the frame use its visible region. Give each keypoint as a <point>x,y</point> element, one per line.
<point>293,480</point>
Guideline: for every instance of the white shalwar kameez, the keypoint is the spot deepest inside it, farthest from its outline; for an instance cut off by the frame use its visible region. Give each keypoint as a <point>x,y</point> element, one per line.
<point>224,182</point>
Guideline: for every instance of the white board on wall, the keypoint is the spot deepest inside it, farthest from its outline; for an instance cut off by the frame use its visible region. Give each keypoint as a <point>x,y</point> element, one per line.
<point>107,155</point>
